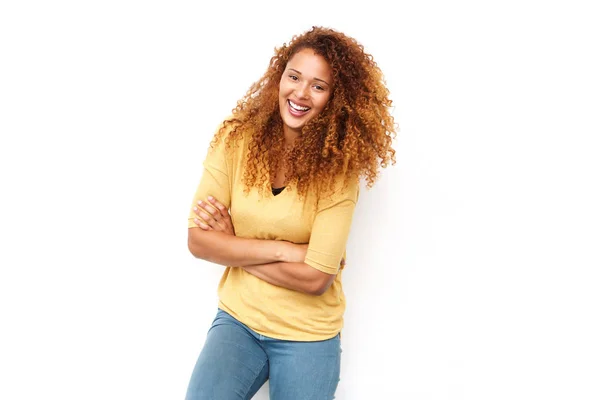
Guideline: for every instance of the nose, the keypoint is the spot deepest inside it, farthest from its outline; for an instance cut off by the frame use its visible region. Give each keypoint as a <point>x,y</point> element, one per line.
<point>302,91</point>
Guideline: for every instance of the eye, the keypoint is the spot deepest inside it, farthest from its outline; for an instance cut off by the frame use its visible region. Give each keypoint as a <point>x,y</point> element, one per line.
<point>319,88</point>
<point>293,77</point>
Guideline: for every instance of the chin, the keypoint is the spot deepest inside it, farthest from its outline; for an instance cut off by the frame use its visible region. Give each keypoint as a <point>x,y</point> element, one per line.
<point>295,125</point>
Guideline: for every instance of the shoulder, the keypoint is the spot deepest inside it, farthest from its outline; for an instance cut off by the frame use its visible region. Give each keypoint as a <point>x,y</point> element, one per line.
<point>343,188</point>
<point>228,136</point>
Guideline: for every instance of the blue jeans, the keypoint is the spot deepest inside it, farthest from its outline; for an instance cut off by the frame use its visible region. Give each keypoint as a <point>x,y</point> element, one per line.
<point>236,361</point>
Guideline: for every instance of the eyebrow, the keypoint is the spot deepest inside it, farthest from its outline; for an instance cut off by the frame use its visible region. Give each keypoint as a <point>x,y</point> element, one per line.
<point>316,79</point>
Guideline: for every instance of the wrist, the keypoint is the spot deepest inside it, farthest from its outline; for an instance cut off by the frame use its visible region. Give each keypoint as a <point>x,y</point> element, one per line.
<point>282,251</point>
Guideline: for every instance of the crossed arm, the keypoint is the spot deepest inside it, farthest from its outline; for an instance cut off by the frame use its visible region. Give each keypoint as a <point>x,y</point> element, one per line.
<point>278,262</point>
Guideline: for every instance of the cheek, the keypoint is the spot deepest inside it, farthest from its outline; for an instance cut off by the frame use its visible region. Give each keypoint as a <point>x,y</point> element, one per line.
<point>284,89</point>
<point>322,102</point>
<point>281,89</point>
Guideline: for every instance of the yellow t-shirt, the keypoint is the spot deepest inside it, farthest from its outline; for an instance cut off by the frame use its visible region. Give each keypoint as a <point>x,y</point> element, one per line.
<point>267,309</point>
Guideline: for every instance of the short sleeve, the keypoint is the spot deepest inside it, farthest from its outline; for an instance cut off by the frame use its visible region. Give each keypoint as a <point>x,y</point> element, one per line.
<point>215,179</point>
<point>331,228</point>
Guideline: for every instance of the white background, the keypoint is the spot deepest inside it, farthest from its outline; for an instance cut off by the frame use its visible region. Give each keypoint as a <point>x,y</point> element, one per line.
<point>472,264</point>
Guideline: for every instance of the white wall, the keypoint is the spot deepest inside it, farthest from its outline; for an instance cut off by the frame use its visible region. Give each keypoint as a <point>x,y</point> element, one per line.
<point>472,265</point>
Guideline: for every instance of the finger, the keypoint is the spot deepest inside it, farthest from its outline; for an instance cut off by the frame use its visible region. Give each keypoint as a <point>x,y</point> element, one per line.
<point>218,205</point>
<point>201,224</point>
<point>225,221</point>
<point>214,213</point>
<point>206,218</point>
<point>196,209</point>
<point>208,214</point>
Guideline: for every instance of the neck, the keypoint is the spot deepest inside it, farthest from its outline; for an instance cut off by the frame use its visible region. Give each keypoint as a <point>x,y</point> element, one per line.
<point>290,135</point>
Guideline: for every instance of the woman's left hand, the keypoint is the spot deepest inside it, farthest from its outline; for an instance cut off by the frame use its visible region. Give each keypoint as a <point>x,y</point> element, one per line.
<point>213,216</point>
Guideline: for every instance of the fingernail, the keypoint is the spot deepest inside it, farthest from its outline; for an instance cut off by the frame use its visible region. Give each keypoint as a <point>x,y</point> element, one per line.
<point>195,208</point>
<point>210,198</point>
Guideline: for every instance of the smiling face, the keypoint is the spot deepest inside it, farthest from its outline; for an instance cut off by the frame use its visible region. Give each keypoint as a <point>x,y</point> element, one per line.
<point>304,89</point>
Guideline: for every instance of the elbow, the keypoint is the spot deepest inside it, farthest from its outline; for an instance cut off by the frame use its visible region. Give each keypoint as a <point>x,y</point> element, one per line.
<point>322,284</point>
<point>201,245</point>
<point>194,249</point>
<point>195,246</point>
<point>318,291</point>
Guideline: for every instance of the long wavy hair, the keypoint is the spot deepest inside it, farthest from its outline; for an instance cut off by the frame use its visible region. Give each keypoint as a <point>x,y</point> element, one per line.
<point>351,137</point>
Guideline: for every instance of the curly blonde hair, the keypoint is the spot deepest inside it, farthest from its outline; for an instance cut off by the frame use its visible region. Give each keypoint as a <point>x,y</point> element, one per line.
<point>351,137</point>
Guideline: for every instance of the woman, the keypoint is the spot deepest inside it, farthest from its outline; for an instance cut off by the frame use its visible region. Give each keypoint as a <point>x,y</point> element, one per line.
<point>284,171</point>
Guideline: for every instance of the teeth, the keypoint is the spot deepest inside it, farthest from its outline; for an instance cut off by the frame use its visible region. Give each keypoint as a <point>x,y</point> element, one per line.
<point>297,107</point>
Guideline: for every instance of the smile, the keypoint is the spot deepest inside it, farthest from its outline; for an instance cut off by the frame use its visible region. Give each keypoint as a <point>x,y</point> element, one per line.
<point>297,110</point>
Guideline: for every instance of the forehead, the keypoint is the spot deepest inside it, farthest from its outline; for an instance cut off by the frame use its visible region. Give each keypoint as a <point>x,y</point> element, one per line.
<point>310,64</point>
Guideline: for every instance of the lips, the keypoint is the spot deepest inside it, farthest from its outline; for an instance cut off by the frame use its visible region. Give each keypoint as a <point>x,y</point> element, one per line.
<point>296,109</point>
